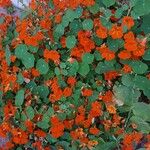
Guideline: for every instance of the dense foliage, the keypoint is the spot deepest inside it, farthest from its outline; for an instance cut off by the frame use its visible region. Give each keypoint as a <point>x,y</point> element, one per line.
<point>75,74</point>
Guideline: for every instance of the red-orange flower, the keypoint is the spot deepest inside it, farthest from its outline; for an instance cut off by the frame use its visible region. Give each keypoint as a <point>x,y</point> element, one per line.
<point>71,81</point>
<point>128,21</point>
<point>87,92</point>
<point>52,55</point>
<point>94,130</point>
<point>124,54</point>
<point>116,32</point>
<point>19,136</point>
<point>101,32</point>
<point>67,92</point>
<point>40,133</point>
<point>126,68</point>
<point>57,129</point>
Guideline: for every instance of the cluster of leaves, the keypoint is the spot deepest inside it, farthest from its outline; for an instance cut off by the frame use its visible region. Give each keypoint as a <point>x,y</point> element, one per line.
<point>75,75</point>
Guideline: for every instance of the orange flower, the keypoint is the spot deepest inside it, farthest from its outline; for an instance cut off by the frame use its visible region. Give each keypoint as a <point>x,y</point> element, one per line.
<point>56,95</point>
<point>79,119</point>
<point>94,130</point>
<point>52,55</point>
<point>101,32</point>
<point>111,109</point>
<point>88,2</point>
<point>124,54</point>
<point>128,21</point>
<point>12,58</point>
<point>139,52</point>
<point>9,145</point>
<point>129,36</point>
<point>40,133</point>
<point>45,23</point>
<point>9,110</point>
<point>35,72</point>
<point>63,42</point>
<point>107,97</point>
<point>116,32</point>
<point>130,45</point>
<point>19,136</point>
<point>58,18</point>
<point>108,55</point>
<point>96,110</point>
<point>29,125</point>
<point>67,92</point>
<point>87,92</point>
<point>71,81</point>
<point>57,129</point>
<point>4,129</point>
<point>127,69</point>
<point>111,75</point>
<point>68,124</point>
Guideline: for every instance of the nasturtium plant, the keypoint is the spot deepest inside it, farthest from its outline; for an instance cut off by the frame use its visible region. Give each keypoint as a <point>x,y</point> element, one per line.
<point>75,75</point>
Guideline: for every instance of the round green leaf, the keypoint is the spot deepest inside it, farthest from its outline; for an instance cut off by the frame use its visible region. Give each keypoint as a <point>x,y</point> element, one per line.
<point>87,24</point>
<point>147,55</point>
<point>71,41</point>
<point>19,98</point>
<point>108,3</point>
<point>30,112</point>
<point>88,58</point>
<point>84,69</point>
<point>139,67</point>
<point>42,66</point>
<point>21,50</point>
<point>28,60</point>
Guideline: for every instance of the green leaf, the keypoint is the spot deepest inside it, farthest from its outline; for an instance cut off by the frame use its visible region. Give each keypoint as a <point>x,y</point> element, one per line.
<point>142,83</point>
<point>103,67</point>
<point>126,95</point>
<point>139,67</point>
<point>73,68</point>
<point>33,49</point>
<point>20,78</point>
<point>19,98</point>
<point>21,51</point>
<point>119,12</point>
<point>42,66</point>
<point>108,3</point>
<point>43,125</point>
<point>84,69</point>
<point>97,56</point>
<point>57,71</point>
<point>147,55</point>
<point>142,125</point>
<point>88,58</point>
<point>28,60</point>
<point>30,112</point>
<point>141,7</point>
<point>41,90</point>
<point>79,12</point>
<point>75,26</point>
<point>94,9</point>
<point>127,80</point>
<point>105,146</point>
<point>142,110</point>
<point>7,54</point>
<point>71,41</point>
<point>114,45</point>
<point>87,24</point>
<point>70,15</point>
